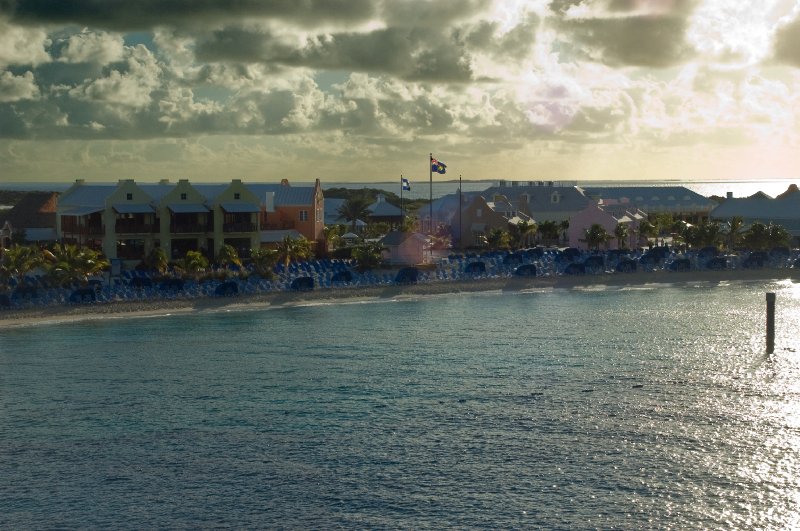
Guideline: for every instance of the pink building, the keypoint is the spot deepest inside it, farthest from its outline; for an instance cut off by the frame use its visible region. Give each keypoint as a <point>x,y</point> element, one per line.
<point>607,217</point>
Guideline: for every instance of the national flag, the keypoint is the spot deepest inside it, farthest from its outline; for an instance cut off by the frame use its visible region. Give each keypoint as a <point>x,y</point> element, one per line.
<point>405,185</point>
<point>438,166</point>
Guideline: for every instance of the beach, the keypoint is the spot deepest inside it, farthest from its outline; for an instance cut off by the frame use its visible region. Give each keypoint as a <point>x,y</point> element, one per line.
<point>243,302</point>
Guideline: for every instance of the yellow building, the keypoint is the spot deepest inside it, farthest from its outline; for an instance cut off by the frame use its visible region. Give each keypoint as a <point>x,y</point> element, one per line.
<point>128,220</point>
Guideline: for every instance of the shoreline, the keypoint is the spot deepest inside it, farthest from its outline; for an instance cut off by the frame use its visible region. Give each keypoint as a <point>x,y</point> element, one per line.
<point>154,308</point>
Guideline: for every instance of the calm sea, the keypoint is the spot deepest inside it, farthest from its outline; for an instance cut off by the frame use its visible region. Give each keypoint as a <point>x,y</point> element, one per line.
<point>637,408</point>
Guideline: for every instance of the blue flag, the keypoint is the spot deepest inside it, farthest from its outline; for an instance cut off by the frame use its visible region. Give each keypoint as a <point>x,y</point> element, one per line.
<point>404,184</point>
<point>438,166</point>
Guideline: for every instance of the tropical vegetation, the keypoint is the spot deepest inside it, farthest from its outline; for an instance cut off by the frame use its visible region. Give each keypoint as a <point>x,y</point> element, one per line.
<point>354,209</point>
<point>595,236</point>
<point>292,249</point>
<point>367,256</point>
<point>763,237</point>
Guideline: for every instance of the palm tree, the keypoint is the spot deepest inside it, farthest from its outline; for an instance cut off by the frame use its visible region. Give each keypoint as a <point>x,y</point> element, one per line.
<point>194,263</point>
<point>263,261</point>
<point>158,260</point>
<point>498,239</point>
<point>333,236</point>
<point>548,231</point>
<point>521,233</point>
<point>777,235</point>
<point>733,231</point>
<point>621,232</point>
<point>564,227</point>
<point>291,249</point>
<point>18,261</point>
<point>68,264</point>
<point>647,230</point>
<point>595,236</point>
<point>354,209</point>
<point>228,255</point>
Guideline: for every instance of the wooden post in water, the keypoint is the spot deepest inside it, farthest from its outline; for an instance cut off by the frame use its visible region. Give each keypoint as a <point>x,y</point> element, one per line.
<point>770,323</point>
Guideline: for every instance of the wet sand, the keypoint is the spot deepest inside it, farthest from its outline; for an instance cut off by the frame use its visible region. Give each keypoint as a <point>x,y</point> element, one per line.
<point>156,307</point>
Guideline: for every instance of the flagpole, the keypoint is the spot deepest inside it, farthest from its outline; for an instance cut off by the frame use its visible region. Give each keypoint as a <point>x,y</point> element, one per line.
<point>430,191</point>
<point>402,211</point>
<point>460,229</point>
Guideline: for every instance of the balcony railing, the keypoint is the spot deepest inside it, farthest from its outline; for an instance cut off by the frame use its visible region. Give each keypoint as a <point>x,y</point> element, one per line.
<point>239,226</point>
<point>128,227</point>
<point>189,228</point>
<point>278,225</point>
<point>84,230</point>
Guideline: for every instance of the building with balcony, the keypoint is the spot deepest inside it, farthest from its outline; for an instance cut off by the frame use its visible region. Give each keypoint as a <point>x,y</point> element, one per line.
<point>128,220</point>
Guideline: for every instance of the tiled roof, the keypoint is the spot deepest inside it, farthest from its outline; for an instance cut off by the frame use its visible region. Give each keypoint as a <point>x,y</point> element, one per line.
<point>398,237</point>
<point>96,194</point>
<point>759,207</point>
<point>540,198</point>
<point>157,191</point>
<point>332,215</point>
<point>381,209</point>
<point>87,195</point>
<point>284,195</point>
<point>34,210</point>
<point>653,198</point>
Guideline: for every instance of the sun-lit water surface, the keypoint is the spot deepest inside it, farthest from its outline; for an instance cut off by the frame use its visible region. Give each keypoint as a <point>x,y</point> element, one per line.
<point>646,408</point>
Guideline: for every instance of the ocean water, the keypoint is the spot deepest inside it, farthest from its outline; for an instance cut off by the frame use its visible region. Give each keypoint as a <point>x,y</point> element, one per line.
<point>653,407</point>
<point>422,189</point>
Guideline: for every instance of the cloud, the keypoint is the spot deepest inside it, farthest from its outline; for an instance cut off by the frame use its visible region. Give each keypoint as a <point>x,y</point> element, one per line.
<point>409,53</point>
<point>645,33</point>
<point>22,46</point>
<point>100,48</point>
<point>787,43</point>
<point>128,86</point>
<point>648,41</point>
<point>147,14</point>
<point>16,88</point>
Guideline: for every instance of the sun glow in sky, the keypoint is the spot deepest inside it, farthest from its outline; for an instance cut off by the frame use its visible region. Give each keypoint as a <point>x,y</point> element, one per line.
<point>363,90</point>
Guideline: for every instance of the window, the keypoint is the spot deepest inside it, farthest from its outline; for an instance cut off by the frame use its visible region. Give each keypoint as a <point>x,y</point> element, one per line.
<point>129,197</point>
<point>304,215</point>
<point>237,195</point>
<point>478,212</point>
<point>555,197</point>
<point>183,197</point>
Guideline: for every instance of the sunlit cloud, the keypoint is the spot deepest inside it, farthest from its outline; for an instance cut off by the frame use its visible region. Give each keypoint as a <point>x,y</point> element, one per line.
<point>548,84</point>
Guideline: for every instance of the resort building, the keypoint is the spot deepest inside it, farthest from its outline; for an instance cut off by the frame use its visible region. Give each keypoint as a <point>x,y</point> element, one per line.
<point>33,217</point>
<point>381,211</point>
<point>128,220</point>
<point>608,218</point>
<point>480,217</point>
<point>782,210</point>
<point>677,201</point>
<point>404,248</point>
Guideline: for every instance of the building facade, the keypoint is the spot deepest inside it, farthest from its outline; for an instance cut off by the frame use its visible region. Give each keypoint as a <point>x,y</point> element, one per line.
<point>128,220</point>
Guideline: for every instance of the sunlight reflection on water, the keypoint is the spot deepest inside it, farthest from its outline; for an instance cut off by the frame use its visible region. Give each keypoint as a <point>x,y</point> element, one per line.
<point>595,408</point>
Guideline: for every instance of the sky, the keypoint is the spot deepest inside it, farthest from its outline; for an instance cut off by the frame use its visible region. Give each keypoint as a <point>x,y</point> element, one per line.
<point>364,90</point>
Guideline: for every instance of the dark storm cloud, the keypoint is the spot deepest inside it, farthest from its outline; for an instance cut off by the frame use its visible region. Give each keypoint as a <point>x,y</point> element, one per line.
<point>411,54</point>
<point>652,41</point>
<point>515,44</point>
<point>143,14</point>
<point>634,32</point>
<point>432,14</point>
<point>787,43</point>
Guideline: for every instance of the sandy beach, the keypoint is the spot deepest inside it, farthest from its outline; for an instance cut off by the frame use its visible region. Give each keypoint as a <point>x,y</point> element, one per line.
<point>156,307</point>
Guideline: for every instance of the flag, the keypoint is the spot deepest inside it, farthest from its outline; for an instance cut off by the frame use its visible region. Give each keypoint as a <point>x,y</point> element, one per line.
<point>404,184</point>
<point>438,166</point>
